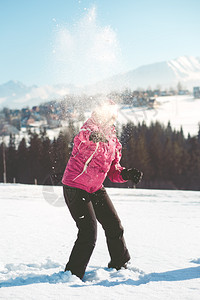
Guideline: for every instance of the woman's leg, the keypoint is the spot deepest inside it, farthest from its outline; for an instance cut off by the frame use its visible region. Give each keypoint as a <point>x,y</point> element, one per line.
<point>107,216</point>
<point>83,214</point>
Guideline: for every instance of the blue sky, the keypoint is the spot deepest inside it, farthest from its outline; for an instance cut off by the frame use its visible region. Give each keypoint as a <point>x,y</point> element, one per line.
<point>38,37</point>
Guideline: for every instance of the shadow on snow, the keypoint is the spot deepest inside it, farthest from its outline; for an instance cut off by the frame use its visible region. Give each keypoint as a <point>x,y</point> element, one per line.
<point>61,277</point>
<point>176,275</point>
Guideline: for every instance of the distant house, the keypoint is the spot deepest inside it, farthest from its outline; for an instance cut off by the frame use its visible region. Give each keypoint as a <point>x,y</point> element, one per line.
<point>15,113</point>
<point>35,109</point>
<point>7,129</point>
<point>152,103</point>
<point>183,92</point>
<point>53,121</point>
<point>25,122</point>
<point>163,93</point>
<point>25,112</point>
<point>196,92</point>
<point>30,121</point>
<point>156,93</point>
<point>33,120</point>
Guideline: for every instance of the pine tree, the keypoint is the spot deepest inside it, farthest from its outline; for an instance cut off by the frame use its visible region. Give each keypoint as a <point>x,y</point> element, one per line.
<point>194,164</point>
<point>45,158</point>
<point>142,157</point>
<point>1,161</point>
<point>11,160</point>
<point>198,135</point>
<point>35,158</point>
<point>22,162</point>
<point>156,150</point>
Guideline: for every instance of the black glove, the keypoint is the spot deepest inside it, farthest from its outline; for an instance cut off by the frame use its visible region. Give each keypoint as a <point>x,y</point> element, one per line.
<point>97,136</point>
<point>132,174</point>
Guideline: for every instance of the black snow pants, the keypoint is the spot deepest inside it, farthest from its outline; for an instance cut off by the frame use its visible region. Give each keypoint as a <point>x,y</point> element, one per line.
<point>86,209</point>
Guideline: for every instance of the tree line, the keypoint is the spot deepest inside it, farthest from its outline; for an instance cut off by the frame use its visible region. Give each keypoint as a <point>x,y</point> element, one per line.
<point>167,158</point>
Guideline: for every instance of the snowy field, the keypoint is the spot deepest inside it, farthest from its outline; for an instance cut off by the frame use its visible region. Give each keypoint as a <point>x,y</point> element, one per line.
<point>161,230</point>
<point>179,110</point>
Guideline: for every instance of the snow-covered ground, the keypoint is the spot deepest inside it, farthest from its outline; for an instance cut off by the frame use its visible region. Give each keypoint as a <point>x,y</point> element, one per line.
<point>161,231</point>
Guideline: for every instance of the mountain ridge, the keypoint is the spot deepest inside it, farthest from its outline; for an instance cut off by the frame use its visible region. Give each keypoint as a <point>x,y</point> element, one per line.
<point>165,74</point>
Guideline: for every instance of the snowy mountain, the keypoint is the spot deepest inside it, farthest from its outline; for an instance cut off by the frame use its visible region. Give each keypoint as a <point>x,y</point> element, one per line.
<point>185,69</point>
<point>14,94</point>
<point>166,74</point>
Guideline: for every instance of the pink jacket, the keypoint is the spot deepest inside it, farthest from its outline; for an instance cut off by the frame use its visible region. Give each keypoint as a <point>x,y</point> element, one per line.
<point>91,162</point>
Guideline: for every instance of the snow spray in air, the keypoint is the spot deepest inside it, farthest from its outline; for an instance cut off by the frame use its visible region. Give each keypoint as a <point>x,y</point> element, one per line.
<point>85,52</point>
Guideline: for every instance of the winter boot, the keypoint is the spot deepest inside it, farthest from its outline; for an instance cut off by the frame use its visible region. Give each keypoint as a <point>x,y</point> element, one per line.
<point>118,267</point>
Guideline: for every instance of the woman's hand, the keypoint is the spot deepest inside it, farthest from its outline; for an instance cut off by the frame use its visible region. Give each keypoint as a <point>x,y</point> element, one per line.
<point>132,174</point>
<point>97,136</point>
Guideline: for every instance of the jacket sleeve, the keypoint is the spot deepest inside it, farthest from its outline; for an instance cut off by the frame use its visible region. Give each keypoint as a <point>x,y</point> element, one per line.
<point>115,169</point>
<point>82,144</point>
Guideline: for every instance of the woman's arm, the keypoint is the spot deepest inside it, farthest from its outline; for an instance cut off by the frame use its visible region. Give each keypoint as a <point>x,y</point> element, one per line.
<point>115,170</point>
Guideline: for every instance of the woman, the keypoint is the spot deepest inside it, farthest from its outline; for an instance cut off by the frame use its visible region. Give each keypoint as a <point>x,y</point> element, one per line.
<point>96,154</point>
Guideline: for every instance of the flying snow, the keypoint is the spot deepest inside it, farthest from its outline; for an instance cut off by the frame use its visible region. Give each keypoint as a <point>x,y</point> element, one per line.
<point>85,52</point>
